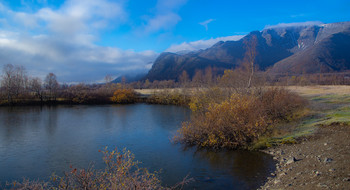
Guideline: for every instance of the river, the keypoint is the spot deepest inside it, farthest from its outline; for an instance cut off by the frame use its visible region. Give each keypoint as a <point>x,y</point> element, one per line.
<point>38,141</point>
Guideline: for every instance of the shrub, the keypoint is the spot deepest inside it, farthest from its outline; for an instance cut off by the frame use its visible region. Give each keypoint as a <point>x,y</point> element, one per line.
<point>233,123</point>
<point>169,98</point>
<point>121,172</point>
<point>239,120</point>
<point>281,104</point>
<point>123,96</point>
<point>202,98</point>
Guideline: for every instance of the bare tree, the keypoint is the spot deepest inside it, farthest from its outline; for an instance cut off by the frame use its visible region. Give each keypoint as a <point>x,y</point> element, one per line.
<point>208,76</point>
<point>14,81</point>
<point>108,79</point>
<point>184,79</point>
<point>250,56</point>
<point>51,85</point>
<point>123,82</point>
<point>147,84</point>
<point>36,86</point>
<point>198,78</point>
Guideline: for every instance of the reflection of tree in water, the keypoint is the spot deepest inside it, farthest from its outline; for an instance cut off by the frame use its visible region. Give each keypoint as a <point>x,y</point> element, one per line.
<point>165,115</point>
<point>123,113</point>
<point>52,120</point>
<point>248,168</point>
<point>13,120</point>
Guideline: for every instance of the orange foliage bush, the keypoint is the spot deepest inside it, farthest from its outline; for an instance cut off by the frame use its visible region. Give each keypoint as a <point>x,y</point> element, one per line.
<point>121,172</point>
<point>239,120</point>
<point>123,96</point>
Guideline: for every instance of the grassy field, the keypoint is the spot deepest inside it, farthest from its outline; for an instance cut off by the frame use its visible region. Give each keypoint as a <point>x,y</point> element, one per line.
<point>328,104</point>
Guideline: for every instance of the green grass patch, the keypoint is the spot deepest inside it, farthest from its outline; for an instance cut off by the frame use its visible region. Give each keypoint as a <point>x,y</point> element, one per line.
<point>338,111</point>
<point>340,115</point>
<point>332,99</point>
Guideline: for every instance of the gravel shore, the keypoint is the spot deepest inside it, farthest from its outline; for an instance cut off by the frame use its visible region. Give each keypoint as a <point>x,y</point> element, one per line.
<point>321,161</point>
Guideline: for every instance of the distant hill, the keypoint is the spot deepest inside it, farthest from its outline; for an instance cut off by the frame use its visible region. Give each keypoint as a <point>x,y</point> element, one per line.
<point>130,78</point>
<point>331,54</point>
<point>296,49</point>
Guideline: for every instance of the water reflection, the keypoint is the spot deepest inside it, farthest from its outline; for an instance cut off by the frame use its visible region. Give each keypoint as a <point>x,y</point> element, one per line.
<point>51,120</point>
<point>246,168</point>
<point>35,141</point>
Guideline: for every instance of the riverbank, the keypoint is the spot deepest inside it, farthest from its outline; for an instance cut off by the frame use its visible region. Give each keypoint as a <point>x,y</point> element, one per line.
<point>320,159</point>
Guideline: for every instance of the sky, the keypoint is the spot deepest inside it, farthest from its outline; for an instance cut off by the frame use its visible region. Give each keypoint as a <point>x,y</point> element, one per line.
<point>85,40</point>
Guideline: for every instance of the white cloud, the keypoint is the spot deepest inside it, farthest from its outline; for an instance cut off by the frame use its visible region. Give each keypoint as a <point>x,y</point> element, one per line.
<point>200,44</point>
<point>162,22</point>
<point>205,23</point>
<point>43,54</point>
<point>284,25</point>
<point>165,17</point>
<point>62,41</point>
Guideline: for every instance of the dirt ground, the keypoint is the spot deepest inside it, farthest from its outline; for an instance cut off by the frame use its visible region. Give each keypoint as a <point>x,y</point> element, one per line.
<point>320,161</point>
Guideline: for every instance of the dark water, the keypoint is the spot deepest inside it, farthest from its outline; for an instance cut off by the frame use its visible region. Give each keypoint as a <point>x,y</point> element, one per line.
<point>37,141</point>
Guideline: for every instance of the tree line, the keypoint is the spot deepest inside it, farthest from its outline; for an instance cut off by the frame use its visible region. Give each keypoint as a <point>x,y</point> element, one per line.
<point>17,87</point>
<point>16,84</point>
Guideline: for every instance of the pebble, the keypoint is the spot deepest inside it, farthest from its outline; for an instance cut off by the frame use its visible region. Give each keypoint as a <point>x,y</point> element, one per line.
<point>322,185</point>
<point>290,160</point>
<point>282,174</point>
<point>327,160</point>
<point>277,181</point>
<point>346,179</point>
<point>317,173</point>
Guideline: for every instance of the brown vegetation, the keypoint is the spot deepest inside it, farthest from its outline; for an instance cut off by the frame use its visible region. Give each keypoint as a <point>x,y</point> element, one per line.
<point>124,96</point>
<point>170,97</point>
<point>238,121</point>
<point>121,172</point>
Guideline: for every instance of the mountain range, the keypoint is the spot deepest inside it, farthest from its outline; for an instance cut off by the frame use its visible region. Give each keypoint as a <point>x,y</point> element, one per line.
<point>292,50</point>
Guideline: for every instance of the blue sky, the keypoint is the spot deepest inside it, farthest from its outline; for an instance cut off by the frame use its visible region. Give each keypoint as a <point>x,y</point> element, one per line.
<point>84,40</point>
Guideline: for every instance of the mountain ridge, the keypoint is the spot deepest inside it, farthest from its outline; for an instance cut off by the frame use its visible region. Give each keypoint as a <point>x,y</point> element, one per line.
<point>279,50</point>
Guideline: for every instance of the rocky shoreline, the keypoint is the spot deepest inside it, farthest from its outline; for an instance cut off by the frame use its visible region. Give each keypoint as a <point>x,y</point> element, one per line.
<point>320,161</point>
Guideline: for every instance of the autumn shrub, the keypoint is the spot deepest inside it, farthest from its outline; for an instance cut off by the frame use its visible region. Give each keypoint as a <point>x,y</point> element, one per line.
<point>121,172</point>
<point>281,104</point>
<point>202,98</point>
<point>123,96</point>
<point>239,120</point>
<point>85,94</point>
<point>234,123</point>
<point>167,97</point>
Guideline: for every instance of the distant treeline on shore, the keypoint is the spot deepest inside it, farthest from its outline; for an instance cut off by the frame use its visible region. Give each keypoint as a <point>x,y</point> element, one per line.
<point>17,88</point>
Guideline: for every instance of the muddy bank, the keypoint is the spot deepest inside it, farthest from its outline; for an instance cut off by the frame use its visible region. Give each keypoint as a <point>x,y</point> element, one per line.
<point>320,161</point>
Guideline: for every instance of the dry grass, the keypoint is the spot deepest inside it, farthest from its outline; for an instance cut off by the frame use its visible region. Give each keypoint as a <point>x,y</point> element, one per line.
<point>320,90</point>
<point>329,104</point>
<point>316,90</point>
<point>147,92</point>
